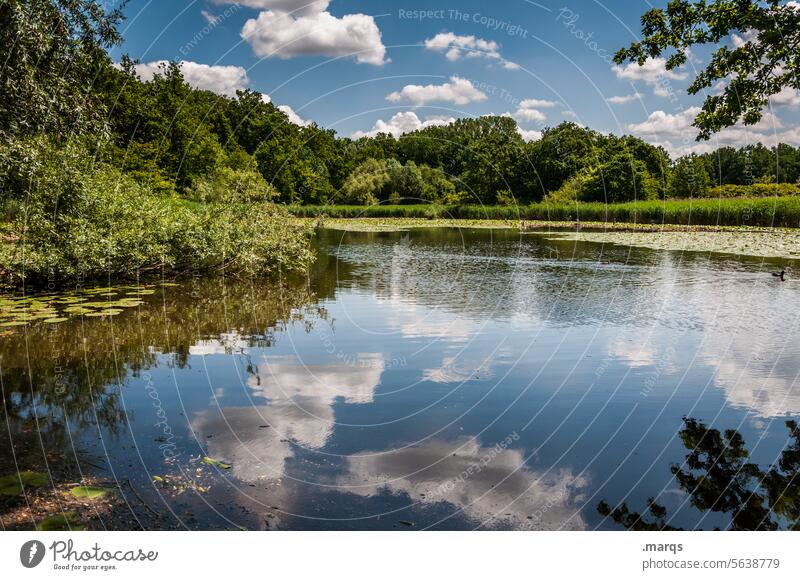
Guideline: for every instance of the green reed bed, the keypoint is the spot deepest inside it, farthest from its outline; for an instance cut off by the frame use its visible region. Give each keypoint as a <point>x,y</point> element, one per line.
<point>761,212</point>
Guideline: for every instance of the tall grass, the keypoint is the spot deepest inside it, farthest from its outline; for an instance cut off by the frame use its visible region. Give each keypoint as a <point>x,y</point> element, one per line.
<point>763,212</point>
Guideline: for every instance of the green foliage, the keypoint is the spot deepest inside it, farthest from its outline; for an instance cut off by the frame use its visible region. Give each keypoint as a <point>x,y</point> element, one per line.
<point>759,67</point>
<point>755,190</point>
<point>85,220</point>
<point>779,212</point>
<point>619,179</point>
<point>689,178</point>
<point>228,185</point>
<point>52,52</point>
<point>365,183</point>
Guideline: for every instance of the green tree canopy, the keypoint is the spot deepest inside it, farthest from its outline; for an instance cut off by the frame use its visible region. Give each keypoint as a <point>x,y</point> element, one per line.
<point>764,62</point>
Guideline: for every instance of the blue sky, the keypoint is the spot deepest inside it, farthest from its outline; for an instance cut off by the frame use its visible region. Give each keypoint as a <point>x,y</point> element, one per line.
<point>357,66</point>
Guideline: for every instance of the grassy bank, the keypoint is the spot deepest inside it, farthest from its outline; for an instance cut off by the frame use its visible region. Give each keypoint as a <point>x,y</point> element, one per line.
<point>762,212</point>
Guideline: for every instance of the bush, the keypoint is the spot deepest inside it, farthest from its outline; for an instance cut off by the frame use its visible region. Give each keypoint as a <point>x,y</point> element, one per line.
<point>754,190</point>
<point>80,221</point>
<point>233,185</point>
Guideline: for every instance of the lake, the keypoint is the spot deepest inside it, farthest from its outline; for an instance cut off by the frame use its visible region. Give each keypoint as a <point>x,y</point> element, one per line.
<point>429,379</point>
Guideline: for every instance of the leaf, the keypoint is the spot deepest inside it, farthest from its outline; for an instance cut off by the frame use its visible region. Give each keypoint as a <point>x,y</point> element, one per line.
<point>13,484</point>
<point>216,463</point>
<point>55,320</point>
<point>60,523</point>
<point>89,492</point>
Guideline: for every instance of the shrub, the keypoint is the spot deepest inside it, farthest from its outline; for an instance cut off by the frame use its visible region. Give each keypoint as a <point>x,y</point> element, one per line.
<point>83,221</point>
<point>233,185</point>
<point>754,190</point>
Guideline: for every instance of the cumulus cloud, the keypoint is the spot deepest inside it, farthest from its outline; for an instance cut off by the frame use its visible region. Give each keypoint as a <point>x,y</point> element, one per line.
<point>787,97</point>
<point>221,79</point>
<point>277,34</point>
<point>529,115</point>
<point>529,135</point>
<point>457,91</point>
<point>210,18</point>
<point>293,117</point>
<point>404,122</point>
<point>297,7</point>
<point>653,72</point>
<point>676,134</point>
<point>666,124</point>
<point>528,110</point>
<point>456,47</point>
<point>537,104</point>
<point>623,99</point>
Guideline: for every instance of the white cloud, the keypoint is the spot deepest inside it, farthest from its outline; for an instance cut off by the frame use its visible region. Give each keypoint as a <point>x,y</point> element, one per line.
<point>527,110</point>
<point>293,117</point>
<point>456,47</point>
<point>276,34</point>
<point>529,135</point>
<point>458,91</point>
<point>653,72</point>
<point>622,99</point>
<point>296,7</point>
<point>527,115</point>
<point>404,122</point>
<point>787,96</point>
<point>210,18</point>
<point>676,134</point>
<point>665,124</point>
<point>224,80</point>
<point>537,104</point>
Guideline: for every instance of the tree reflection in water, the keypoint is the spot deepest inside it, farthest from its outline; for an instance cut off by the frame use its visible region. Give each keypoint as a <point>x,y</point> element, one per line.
<point>719,478</point>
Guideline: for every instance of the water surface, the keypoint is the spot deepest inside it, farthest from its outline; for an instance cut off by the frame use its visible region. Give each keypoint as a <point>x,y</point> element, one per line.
<point>437,378</point>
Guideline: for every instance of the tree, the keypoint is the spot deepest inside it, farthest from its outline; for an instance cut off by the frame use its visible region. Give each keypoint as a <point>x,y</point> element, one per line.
<point>52,52</point>
<point>365,183</point>
<point>689,178</point>
<point>621,178</point>
<point>764,60</point>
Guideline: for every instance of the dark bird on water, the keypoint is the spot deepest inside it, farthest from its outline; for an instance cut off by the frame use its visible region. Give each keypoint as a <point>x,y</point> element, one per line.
<point>780,275</point>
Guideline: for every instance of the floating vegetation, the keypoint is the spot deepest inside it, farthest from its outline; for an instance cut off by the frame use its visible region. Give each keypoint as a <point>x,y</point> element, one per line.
<point>63,522</point>
<point>216,463</point>
<point>89,491</point>
<point>13,484</point>
<point>57,308</point>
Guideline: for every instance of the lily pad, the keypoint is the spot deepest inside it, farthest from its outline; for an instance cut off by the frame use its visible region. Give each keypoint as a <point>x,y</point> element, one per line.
<point>13,484</point>
<point>60,523</point>
<point>13,323</point>
<point>89,491</point>
<point>55,320</point>
<point>216,463</point>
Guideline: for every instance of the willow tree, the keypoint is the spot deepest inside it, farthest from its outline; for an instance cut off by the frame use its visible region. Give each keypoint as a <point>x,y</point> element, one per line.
<point>52,52</point>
